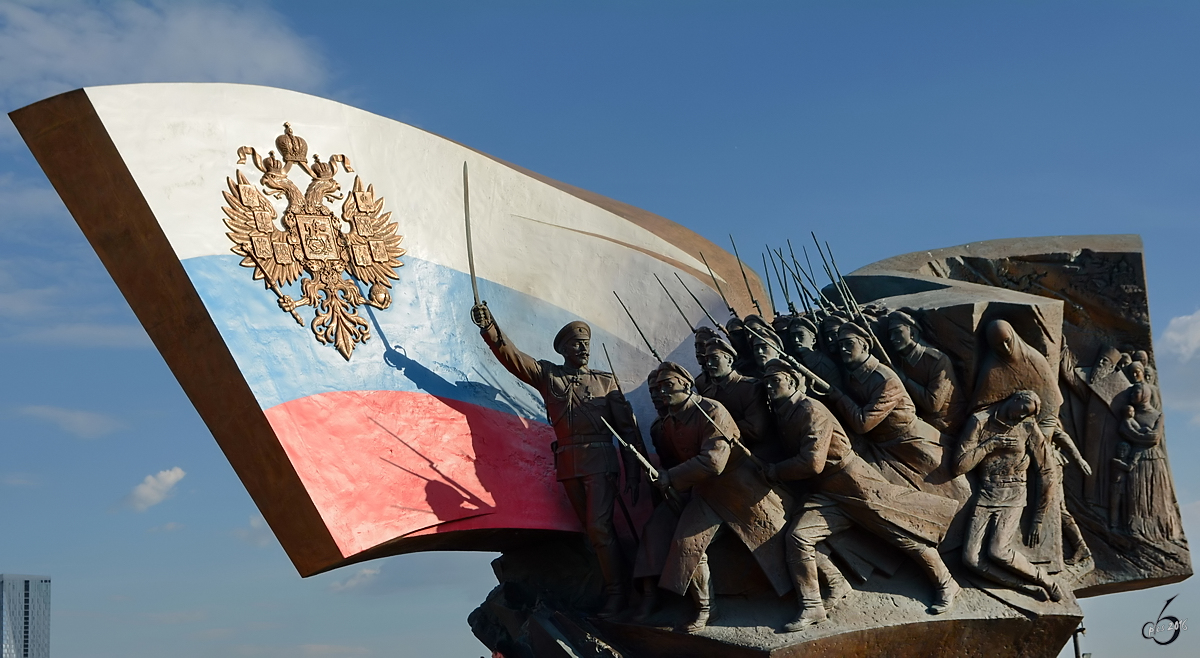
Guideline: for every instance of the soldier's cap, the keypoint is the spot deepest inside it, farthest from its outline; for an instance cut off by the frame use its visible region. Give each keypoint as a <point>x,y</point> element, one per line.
<point>734,324</point>
<point>573,330</point>
<point>853,330</point>
<point>756,322</point>
<point>767,336</point>
<point>897,318</point>
<point>705,334</point>
<point>781,323</point>
<point>717,344</point>
<point>652,377</point>
<point>803,322</point>
<point>671,370</point>
<point>775,366</point>
<point>832,322</point>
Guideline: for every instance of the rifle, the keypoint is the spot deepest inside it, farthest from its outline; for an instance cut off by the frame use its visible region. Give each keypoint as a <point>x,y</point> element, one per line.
<point>691,327</point>
<point>621,501</point>
<point>716,324</point>
<point>734,442</point>
<point>745,278</point>
<point>793,362</point>
<point>732,313</point>
<point>782,282</point>
<point>672,496</point>
<point>639,329</point>
<point>770,290</point>
<point>655,352</point>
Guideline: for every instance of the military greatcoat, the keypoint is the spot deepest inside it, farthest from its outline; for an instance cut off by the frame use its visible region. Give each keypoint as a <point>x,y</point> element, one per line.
<point>727,489</point>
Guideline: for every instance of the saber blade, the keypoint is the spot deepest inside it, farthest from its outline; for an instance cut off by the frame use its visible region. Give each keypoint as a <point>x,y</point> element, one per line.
<point>470,250</point>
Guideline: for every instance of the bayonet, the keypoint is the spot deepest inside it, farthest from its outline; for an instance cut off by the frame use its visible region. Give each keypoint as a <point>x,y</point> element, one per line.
<point>745,278</point>
<point>770,290</point>
<point>691,327</point>
<point>672,496</point>
<point>845,284</point>
<point>782,282</point>
<point>711,319</point>
<point>732,313</point>
<point>639,329</point>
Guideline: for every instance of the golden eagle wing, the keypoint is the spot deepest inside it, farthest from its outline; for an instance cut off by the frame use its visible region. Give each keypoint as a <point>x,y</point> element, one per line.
<point>374,247</point>
<point>250,218</point>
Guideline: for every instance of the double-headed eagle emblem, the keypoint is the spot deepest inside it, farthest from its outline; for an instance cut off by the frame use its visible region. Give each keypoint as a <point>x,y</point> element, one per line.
<point>312,241</point>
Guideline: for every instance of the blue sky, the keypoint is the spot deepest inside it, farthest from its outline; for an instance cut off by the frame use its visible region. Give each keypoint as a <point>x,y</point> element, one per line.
<point>885,127</point>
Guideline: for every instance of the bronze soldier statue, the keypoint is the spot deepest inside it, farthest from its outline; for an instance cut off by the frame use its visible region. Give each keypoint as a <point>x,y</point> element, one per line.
<point>846,491</point>
<point>703,335</point>
<point>727,491</point>
<point>741,396</point>
<point>578,401</point>
<point>927,374</point>
<point>875,405</point>
<point>1001,442</point>
<point>800,341</point>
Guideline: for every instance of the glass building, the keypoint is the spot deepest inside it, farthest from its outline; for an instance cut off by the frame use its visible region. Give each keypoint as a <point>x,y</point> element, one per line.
<point>24,616</point>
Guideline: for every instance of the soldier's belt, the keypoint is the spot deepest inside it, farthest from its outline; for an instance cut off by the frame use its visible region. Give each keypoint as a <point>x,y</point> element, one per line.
<point>585,440</point>
<point>1005,479</point>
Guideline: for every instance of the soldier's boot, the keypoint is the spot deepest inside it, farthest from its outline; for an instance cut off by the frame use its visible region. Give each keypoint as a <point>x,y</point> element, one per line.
<point>649,601</point>
<point>1053,588</point>
<point>839,587</point>
<point>699,591</point>
<point>946,588</point>
<point>808,591</point>
<point>614,602</point>
<point>1080,551</point>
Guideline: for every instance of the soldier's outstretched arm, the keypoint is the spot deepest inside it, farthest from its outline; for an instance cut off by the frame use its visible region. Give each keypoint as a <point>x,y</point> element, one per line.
<point>520,364</point>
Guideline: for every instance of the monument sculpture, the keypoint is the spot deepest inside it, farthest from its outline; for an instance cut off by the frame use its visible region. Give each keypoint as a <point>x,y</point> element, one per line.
<point>935,454</point>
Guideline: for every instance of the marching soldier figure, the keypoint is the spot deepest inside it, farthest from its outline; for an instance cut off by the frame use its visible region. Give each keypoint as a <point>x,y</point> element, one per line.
<point>846,492</point>
<point>927,375</point>
<point>743,397</point>
<point>578,401</point>
<point>727,491</point>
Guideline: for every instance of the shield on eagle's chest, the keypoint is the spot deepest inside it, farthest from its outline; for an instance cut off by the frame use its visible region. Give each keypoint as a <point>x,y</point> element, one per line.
<point>316,237</point>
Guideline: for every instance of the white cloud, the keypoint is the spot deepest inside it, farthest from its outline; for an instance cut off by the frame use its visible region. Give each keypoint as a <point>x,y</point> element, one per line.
<point>1182,336</point>
<point>363,578</point>
<point>258,534</point>
<point>51,46</point>
<point>154,489</point>
<point>167,527</point>
<point>84,334</point>
<point>83,424</point>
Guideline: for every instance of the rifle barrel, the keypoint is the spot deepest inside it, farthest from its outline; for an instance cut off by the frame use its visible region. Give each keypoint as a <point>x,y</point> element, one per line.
<point>639,329</point>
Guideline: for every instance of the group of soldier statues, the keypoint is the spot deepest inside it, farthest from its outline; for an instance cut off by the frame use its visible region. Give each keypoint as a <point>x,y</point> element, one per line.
<point>799,429</point>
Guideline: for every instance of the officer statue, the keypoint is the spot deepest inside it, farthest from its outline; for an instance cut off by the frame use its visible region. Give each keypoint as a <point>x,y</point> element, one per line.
<point>578,401</point>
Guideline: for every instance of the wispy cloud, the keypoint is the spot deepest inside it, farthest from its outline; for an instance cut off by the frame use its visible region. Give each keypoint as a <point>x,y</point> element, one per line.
<point>257,534</point>
<point>1182,336</point>
<point>154,489</point>
<point>83,424</point>
<point>61,45</point>
<point>167,527</point>
<point>362,579</point>
<point>84,334</point>
<point>18,480</point>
